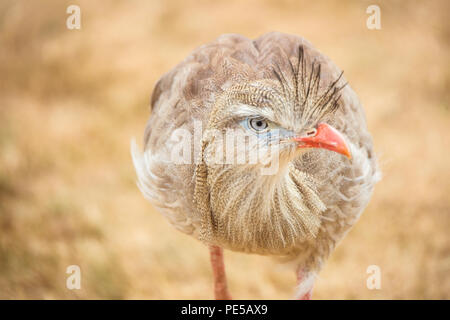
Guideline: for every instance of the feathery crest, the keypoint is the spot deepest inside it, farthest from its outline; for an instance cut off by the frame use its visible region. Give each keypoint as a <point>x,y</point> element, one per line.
<point>309,103</point>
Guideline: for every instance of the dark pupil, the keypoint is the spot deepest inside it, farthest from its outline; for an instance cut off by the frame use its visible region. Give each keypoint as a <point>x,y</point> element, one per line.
<point>258,124</point>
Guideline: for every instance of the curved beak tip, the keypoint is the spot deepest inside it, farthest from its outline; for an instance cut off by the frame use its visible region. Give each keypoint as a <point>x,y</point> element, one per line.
<point>326,137</point>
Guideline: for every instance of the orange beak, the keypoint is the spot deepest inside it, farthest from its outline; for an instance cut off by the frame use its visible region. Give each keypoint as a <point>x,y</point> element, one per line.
<point>326,137</point>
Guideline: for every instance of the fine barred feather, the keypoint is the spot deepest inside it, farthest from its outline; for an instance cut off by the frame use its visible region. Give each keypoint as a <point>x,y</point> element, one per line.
<point>303,209</point>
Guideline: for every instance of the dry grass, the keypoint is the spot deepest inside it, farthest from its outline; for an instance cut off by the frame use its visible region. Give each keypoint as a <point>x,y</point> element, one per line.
<point>71,100</point>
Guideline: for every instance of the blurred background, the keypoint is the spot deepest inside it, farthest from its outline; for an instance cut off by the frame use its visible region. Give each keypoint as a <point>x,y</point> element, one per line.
<point>71,100</point>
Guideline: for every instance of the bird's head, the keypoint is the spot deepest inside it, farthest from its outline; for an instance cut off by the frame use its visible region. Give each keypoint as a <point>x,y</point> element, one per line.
<point>255,186</point>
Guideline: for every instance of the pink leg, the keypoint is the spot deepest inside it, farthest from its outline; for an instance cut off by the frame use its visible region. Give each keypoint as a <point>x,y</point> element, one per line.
<point>302,281</point>
<point>220,279</point>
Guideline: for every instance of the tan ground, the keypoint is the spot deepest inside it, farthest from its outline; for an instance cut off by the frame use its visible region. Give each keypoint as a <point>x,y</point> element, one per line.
<point>70,101</point>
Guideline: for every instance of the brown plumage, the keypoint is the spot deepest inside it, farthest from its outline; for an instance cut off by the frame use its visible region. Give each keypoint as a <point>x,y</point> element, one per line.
<point>303,207</point>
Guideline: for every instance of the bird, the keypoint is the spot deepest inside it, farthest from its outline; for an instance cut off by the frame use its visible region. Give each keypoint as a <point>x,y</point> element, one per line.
<point>278,100</point>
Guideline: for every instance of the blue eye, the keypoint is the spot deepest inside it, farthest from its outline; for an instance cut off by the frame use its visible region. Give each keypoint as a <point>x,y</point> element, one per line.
<point>258,125</point>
